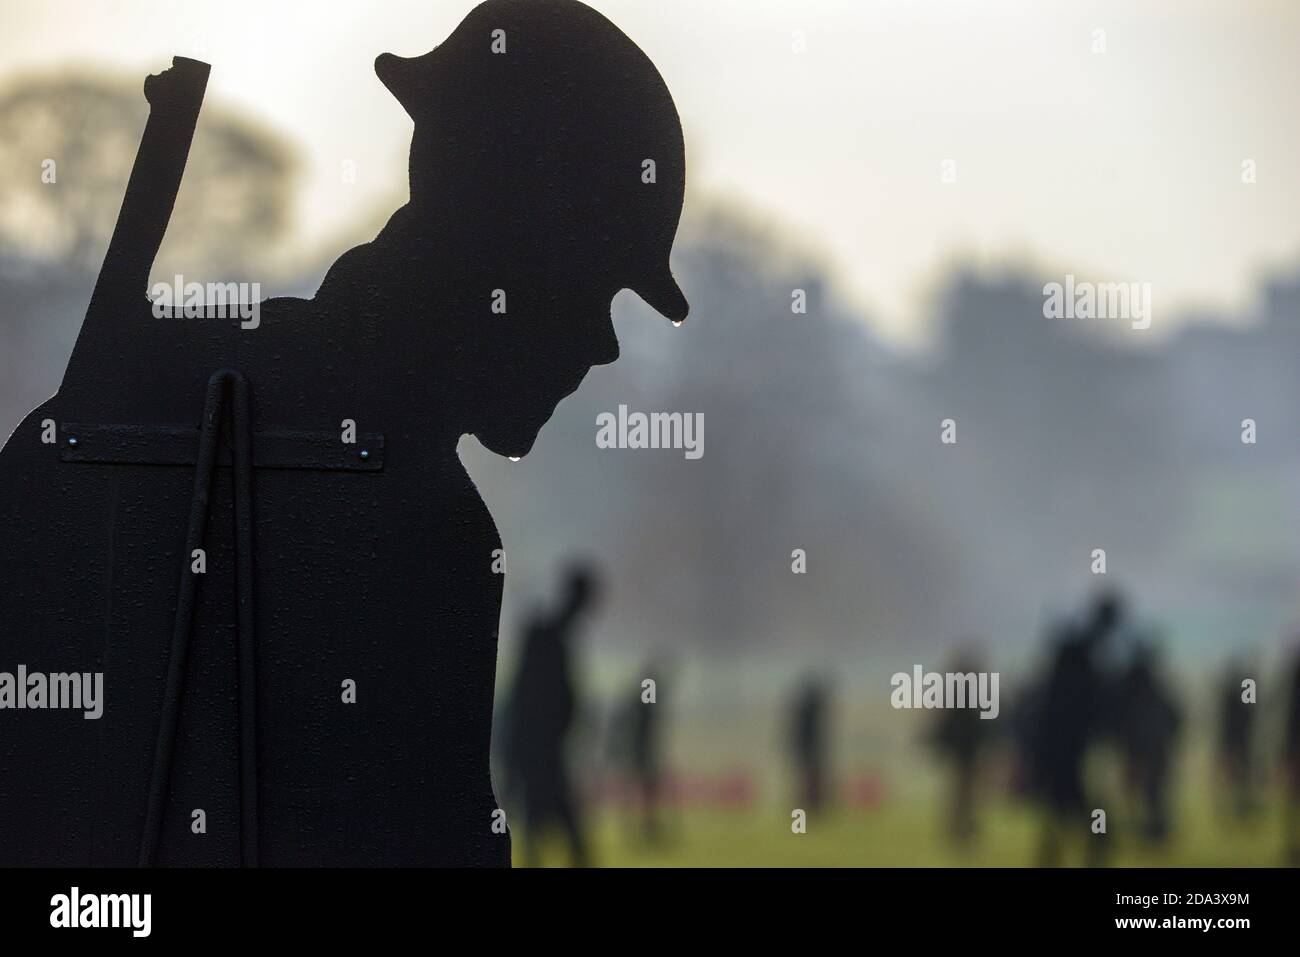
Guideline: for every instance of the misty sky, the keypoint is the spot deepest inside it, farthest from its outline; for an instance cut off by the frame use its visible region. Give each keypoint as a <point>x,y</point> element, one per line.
<point>1122,165</point>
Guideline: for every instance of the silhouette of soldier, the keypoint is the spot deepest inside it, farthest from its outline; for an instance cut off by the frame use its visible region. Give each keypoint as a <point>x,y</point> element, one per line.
<point>1149,723</point>
<point>1071,719</point>
<point>960,736</point>
<point>637,745</point>
<point>547,173</point>
<point>809,735</point>
<point>1236,732</point>
<point>541,712</point>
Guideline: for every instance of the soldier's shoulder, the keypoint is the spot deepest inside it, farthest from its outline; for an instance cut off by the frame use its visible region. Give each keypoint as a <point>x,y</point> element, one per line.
<point>347,273</point>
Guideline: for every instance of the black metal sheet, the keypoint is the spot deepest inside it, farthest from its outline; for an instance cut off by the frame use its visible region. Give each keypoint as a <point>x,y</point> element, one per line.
<point>378,596</point>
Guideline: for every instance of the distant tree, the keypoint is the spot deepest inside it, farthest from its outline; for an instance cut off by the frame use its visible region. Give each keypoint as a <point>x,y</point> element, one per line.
<point>233,205</point>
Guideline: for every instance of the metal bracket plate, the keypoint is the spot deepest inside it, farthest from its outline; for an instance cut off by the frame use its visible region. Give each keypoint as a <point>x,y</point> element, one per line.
<point>179,444</point>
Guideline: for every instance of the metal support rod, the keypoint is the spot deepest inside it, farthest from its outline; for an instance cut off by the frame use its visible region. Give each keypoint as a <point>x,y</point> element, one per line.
<point>225,385</point>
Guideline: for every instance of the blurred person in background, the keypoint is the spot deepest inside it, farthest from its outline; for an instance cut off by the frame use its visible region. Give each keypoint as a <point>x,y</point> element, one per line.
<point>636,746</point>
<point>1070,721</point>
<point>809,742</point>
<point>541,711</point>
<point>1022,717</point>
<point>1236,727</point>
<point>1148,723</point>
<point>1291,767</point>
<point>961,737</point>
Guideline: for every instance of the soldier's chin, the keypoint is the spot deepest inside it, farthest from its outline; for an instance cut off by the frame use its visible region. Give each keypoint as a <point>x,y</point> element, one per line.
<point>513,440</point>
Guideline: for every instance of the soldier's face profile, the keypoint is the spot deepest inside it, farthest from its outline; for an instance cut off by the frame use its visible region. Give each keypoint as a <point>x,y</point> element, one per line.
<point>528,358</point>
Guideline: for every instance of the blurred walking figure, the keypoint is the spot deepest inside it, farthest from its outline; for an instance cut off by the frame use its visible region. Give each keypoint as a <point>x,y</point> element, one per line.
<point>638,745</point>
<point>1148,730</point>
<point>542,707</point>
<point>1236,726</point>
<point>809,720</point>
<point>960,737</point>
<point>1070,721</point>
<point>1022,715</point>
<point>1291,766</point>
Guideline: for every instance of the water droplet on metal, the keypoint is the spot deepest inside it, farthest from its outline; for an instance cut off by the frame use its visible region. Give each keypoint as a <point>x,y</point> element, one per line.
<point>72,440</point>
<point>513,458</point>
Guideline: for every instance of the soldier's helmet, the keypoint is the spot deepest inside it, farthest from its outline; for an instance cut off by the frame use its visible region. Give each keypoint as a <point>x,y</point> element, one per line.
<point>545,117</point>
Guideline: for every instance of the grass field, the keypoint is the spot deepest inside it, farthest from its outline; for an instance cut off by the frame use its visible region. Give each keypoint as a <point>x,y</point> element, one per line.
<point>729,719</point>
<point>908,834</point>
